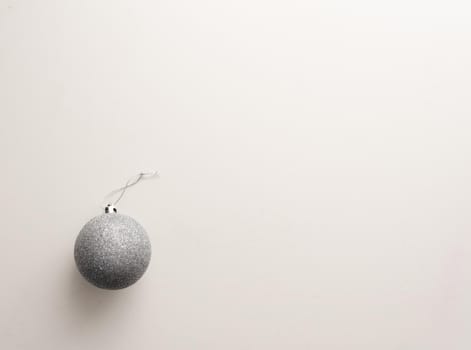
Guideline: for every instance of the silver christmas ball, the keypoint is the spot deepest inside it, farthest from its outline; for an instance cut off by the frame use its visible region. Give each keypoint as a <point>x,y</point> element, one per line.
<point>112,251</point>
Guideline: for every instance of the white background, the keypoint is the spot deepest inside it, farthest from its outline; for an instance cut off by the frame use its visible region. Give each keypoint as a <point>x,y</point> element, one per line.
<point>315,172</point>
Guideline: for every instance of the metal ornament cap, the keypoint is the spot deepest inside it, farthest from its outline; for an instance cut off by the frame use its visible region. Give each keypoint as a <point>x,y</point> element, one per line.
<point>112,251</point>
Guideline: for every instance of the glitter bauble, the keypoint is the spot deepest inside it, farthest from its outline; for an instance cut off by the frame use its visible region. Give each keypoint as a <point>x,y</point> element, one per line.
<point>112,251</point>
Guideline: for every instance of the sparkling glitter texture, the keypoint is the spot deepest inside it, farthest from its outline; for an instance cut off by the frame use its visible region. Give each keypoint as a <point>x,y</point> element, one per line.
<point>112,251</point>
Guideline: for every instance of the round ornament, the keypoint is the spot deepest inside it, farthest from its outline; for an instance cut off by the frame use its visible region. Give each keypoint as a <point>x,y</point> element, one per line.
<point>112,251</point>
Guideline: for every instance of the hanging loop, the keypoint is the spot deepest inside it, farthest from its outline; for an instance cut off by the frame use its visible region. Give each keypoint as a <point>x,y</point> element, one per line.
<point>110,207</point>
